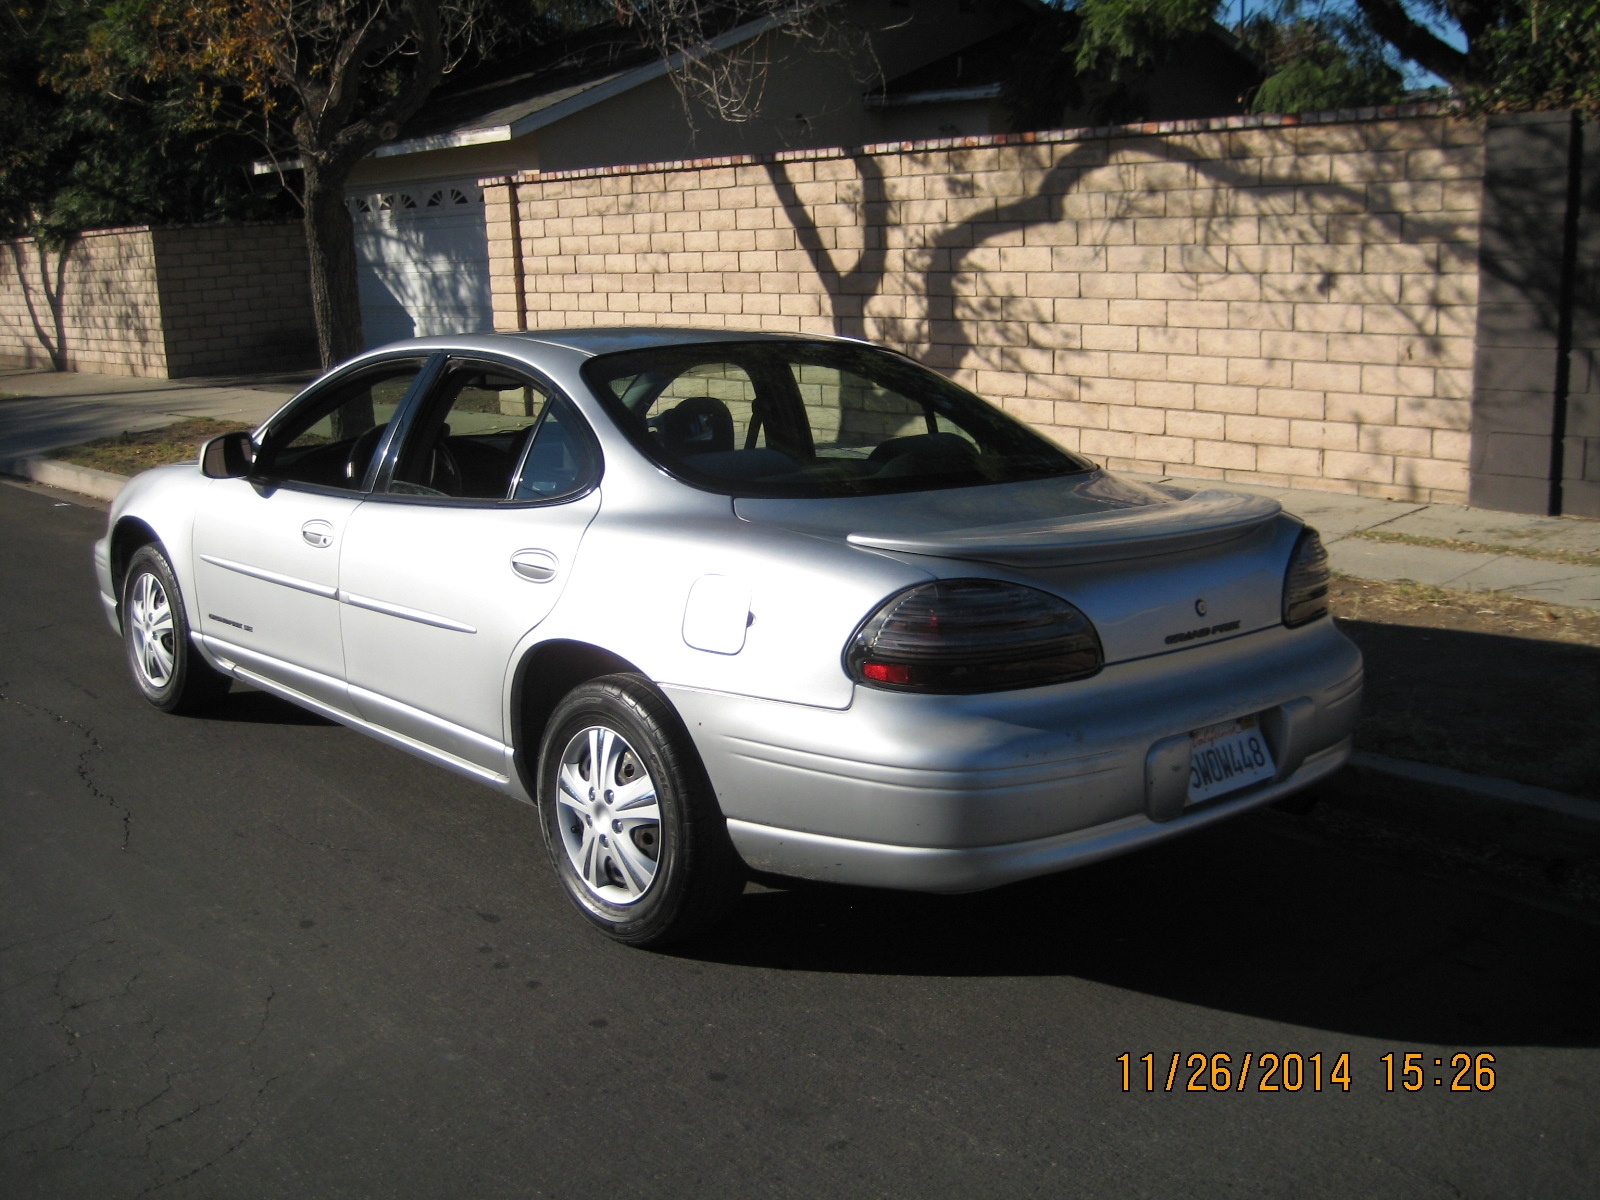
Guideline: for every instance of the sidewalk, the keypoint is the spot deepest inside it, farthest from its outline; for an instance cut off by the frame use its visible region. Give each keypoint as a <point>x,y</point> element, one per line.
<point>50,409</point>
<point>1341,519</point>
<point>42,411</point>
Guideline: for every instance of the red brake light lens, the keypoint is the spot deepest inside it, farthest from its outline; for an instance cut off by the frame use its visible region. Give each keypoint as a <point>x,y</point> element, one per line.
<point>1305,584</point>
<point>973,635</point>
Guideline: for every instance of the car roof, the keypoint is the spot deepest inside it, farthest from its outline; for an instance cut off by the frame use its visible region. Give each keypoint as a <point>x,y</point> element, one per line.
<point>606,339</point>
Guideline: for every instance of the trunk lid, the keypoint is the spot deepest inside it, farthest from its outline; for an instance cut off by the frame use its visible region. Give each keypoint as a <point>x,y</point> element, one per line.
<point>1156,569</point>
<point>1075,539</point>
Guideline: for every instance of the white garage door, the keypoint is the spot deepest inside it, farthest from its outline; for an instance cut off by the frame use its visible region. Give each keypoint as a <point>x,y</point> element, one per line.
<point>422,260</point>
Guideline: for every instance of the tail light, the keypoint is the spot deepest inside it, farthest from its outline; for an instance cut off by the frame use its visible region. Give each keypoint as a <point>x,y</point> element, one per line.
<point>973,635</point>
<point>1305,584</point>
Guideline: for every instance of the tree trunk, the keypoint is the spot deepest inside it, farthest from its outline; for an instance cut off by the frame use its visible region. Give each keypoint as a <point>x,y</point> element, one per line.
<point>330,243</point>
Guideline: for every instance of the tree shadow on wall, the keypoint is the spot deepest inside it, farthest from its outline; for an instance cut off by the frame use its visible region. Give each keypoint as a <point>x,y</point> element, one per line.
<point>946,273</point>
<point>44,301</point>
<point>115,301</point>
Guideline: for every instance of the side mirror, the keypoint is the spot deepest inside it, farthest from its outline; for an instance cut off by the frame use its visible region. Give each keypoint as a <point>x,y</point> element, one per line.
<point>227,457</point>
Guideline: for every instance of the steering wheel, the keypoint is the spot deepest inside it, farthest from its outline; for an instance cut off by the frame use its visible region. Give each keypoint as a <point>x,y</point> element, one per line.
<point>444,469</point>
<point>359,456</point>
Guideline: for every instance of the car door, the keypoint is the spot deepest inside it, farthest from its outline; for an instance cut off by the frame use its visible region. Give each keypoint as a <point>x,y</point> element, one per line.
<point>463,546</point>
<point>267,547</point>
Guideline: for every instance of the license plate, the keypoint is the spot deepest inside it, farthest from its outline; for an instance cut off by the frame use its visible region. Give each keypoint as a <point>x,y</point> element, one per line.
<point>1224,758</point>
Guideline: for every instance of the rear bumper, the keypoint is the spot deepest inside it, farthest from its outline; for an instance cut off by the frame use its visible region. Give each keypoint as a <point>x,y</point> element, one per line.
<point>958,793</point>
<point>970,869</point>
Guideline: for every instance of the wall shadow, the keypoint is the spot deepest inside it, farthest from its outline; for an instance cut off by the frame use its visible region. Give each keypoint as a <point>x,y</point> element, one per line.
<point>1508,707</point>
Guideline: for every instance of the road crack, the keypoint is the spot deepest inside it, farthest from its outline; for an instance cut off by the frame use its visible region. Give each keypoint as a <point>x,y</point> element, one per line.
<point>83,766</point>
<point>253,1117</point>
<point>312,843</point>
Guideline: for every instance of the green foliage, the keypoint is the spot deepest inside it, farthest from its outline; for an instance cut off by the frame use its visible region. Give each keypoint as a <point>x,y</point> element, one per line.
<point>74,157</point>
<point>1313,85</point>
<point>1547,58</point>
<point>102,126</point>
<point>1319,60</point>
<point>1091,58</point>
<point>1118,37</point>
<point>1499,55</point>
<point>1319,56</point>
<point>1314,57</point>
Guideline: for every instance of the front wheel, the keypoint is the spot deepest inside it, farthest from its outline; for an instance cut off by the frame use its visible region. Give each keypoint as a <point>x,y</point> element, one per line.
<point>629,819</point>
<point>168,670</point>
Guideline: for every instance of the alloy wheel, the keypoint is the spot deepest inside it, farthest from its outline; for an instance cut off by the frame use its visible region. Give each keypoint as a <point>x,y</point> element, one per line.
<point>609,817</point>
<point>151,623</point>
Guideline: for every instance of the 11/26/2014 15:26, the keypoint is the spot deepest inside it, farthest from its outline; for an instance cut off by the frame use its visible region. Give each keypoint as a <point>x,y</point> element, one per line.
<point>1271,1071</point>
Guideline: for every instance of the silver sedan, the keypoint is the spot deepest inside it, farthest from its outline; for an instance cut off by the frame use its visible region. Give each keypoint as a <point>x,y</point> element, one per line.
<point>723,601</point>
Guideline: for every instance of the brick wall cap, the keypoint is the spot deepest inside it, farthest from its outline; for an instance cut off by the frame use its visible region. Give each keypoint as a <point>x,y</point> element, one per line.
<point>1345,116</point>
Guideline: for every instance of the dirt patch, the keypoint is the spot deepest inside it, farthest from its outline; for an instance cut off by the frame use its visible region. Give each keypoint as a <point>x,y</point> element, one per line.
<point>1490,684</point>
<point>1581,558</point>
<point>131,451</point>
<point>1475,612</point>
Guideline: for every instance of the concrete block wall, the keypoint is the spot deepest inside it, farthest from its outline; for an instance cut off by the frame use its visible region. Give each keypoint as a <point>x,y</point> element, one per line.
<point>162,303</point>
<point>93,307</point>
<point>1536,443</point>
<point>235,299</point>
<point>1580,426</point>
<point>1243,299</point>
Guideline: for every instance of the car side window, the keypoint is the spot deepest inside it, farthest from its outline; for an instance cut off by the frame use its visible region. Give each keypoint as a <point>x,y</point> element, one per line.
<point>559,461</point>
<point>490,434</point>
<point>329,440</point>
<point>824,419</point>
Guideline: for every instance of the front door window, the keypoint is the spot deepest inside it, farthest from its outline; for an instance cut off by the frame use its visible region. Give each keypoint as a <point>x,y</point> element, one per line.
<point>330,440</point>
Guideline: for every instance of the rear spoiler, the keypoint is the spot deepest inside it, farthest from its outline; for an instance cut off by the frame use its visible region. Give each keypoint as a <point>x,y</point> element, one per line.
<point>1203,519</point>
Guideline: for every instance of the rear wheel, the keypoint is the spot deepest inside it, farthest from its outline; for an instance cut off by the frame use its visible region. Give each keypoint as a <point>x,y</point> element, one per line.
<point>632,827</point>
<point>169,671</point>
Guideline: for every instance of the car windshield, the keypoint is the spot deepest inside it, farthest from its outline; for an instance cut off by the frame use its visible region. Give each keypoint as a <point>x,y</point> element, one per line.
<point>814,419</point>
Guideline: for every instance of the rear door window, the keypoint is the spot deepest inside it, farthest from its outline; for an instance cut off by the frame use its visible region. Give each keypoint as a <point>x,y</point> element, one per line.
<point>490,433</point>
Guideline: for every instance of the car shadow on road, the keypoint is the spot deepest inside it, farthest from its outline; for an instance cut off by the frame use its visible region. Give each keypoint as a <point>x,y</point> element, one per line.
<point>245,705</point>
<point>1254,917</point>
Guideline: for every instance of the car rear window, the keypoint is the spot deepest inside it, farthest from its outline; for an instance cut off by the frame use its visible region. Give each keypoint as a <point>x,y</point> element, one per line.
<point>814,419</point>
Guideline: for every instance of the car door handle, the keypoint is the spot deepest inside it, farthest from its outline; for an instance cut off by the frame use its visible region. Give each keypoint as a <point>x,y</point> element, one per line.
<point>317,533</point>
<point>536,566</point>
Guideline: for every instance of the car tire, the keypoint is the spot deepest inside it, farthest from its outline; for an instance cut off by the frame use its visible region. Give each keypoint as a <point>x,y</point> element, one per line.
<point>167,669</point>
<point>629,817</point>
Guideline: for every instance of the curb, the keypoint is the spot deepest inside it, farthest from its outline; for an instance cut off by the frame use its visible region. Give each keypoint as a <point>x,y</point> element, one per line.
<point>1515,816</point>
<point>1490,788</point>
<point>87,481</point>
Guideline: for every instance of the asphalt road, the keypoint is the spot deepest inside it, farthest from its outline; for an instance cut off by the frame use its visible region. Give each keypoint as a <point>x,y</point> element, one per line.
<point>260,955</point>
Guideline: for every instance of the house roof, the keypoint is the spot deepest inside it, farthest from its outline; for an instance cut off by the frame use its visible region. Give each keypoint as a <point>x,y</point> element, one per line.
<point>565,78</point>
<point>979,71</point>
<point>593,65</point>
<point>972,73</point>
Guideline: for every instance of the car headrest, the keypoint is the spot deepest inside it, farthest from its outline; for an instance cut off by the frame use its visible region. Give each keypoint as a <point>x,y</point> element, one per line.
<point>699,425</point>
